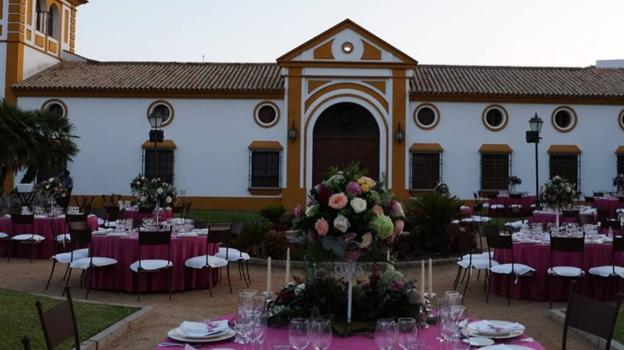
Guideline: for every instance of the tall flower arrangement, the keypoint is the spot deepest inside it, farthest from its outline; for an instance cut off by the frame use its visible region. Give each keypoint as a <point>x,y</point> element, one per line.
<point>618,183</point>
<point>557,193</point>
<point>514,181</point>
<point>52,188</point>
<point>152,193</point>
<point>348,213</point>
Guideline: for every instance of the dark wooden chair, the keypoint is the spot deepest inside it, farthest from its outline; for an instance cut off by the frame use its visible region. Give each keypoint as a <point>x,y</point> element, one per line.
<point>471,259</point>
<point>572,214</point>
<point>59,323</point>
<point>111,212</point>
<point>565,245</point>
<point>155,238</point>
<point>208,260</point>
<point>515,195</point>
<point>230,254</point>
<point>30,238</point>
<point>69,256</point>
<point>178,210</point>
<point>612,271</point>
<point>588,219</point>
<point>85,203</point>
<point>187,209</point>
<point>589,199</point>
<point>591,316</point>
<point>511,270</point>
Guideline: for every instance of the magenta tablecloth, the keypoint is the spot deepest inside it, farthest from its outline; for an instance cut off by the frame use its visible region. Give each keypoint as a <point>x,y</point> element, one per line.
<point>277,336</point>
<point>136,216</point>
<point>538,257</point>
<point>126,251</point>
<point>524,201</point>
<point>544,218</point>
<point>47,227</point>
<point>609,205</point>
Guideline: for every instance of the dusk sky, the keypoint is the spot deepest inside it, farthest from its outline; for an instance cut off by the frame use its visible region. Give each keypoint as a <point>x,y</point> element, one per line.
<point>480,32</point>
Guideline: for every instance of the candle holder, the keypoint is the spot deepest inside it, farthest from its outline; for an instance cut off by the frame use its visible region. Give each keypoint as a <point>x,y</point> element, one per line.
<point>431,316</point>
<point>348,270</point>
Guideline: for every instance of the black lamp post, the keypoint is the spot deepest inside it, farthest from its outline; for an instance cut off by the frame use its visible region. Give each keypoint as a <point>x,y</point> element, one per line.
<point>533,136</point>
<point>156,134</point>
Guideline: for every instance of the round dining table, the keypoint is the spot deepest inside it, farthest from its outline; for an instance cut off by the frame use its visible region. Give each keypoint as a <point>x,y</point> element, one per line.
<point>135,215</point>
<point>48,227</point>
<point>525,201</point>
<point>609,205</point>
<point>125,250</point>
<point>277,338</point>
<point>537,256</point>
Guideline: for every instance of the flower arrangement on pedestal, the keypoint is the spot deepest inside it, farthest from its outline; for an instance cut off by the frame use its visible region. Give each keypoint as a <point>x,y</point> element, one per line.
<point>52,189</point>
<point>153,193</point>
<point>557,194</point>
<point>618,183</point>
<point>514,181</point>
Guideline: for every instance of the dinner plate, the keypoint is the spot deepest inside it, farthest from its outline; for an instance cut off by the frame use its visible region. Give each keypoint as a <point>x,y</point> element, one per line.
<point>472,330</point>
<point>506,347</point>
<point>478,341</point>
<point>175,334</point>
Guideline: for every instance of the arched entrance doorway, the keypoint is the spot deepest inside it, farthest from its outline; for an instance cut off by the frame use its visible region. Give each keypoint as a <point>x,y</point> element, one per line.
<point>343,133</point>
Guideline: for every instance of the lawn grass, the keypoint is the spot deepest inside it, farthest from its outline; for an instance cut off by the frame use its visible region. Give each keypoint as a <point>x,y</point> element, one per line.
<point>225,216</point>
<point>18,318</point>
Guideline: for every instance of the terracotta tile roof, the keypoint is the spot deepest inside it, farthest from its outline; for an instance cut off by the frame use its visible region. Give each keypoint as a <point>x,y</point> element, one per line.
<point>156,76</point>
<point>587,82</point>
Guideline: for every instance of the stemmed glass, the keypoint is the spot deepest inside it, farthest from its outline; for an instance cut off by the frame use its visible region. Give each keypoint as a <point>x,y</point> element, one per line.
<point>457,315</point>
<point>320,333</point>
<point>298,333</point>
<point>407,334</point>
<point>385,334</point>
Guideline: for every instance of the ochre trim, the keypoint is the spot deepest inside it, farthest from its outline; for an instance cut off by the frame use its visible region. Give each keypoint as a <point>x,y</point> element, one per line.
<point>346,64</point>
<point>346,86</point>
<point>265,145</point>
<point>426,148</point>
<point>619,150</point>
<point>315,84</point>
<point>66,21</point>
<point>399,116</point>
<point>346,24</point>
<point>370,52</point>
<point>505,115</point>
<point>377,84</point>
<point>564,149</point>
<point>265,191</point>
<point>495,148</point>
<point>52,46</point>
<point>256,117</point>
<point>415,96</point>
<point>569,110</point>
<point>166,144</point>
<point>324,52</point>
<point>293,194</point>
<point>435,110</point>
<point>39,40</point>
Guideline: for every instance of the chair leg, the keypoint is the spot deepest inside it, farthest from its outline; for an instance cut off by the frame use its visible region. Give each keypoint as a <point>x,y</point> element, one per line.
<point>9,250</point>
<point>51,274</point>
<point>210,280</point>
<point>247,269</point>
<point>509,280</point>
<point>467,281</point>
<point>459,271</point>
<point>228,277</point>
<point>478,274</point>
<point>67,282</point>
<point>242,269</point>
<point>169,280</point>
<point>66,272</point>
<point>550,290</point>
<point>89,274</point>
<point>464,276</point>
<point>489,286</point>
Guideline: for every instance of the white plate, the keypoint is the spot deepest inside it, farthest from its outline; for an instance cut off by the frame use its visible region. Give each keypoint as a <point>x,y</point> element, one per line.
<point>472,331</point>
<point>506,347</point>
<point>176,335</point>
<point>478,341</point>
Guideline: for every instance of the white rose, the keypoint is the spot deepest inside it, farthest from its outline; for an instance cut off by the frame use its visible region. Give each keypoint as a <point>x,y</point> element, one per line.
<point>358,204</point>
<point>143,198</point>
<point>159,190</point>
<point>300,288</point>
<point>311,211</point>
<point>341,223</point>
<point>168,199</point>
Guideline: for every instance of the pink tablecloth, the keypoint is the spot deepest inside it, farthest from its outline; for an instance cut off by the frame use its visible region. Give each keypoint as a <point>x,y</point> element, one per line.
<point>47,227</point>
<point>609,205</point>
<point>279,337</point>
<point>136,216</point>
<point>524,201</point>
<point>126,251</point>
<point>545,218</point>
<point>538,257</point>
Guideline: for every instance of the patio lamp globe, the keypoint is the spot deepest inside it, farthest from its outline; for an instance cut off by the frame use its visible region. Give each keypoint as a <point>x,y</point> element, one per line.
<point>536,123</point>
<point>156,119</point>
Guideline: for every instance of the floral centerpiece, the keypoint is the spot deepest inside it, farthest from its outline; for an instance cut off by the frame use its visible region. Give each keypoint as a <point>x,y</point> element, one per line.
<point>152,193</point>
<point>52,189</point>
<point>557,194</point>
<point>349,213</point>
<point>514,181</point>
<point>618,183</point>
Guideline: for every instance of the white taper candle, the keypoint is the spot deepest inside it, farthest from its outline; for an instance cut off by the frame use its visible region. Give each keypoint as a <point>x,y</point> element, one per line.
<point>422,277</point>
<point>287,275</point>
<point>269,291</point>
<point>430,278</point>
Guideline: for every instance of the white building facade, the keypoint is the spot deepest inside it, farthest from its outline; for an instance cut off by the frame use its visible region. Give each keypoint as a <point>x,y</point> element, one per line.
<point>243,136</point>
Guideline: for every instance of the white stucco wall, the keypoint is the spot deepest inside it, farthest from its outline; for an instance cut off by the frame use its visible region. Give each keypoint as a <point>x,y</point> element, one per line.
<point>212,138</point>
<point>35,61</point>
<point>461,132</point>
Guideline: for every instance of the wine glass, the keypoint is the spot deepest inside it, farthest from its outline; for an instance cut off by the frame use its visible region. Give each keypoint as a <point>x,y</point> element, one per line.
<point>257,332</point>
<point>407,333</point>
<point>457,315</point>
<point>298,333</point>
<point>320,333</point>
<point>385,334</point>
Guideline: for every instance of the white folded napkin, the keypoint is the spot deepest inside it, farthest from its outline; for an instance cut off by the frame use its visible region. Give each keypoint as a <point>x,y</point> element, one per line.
<point>498,347</point>
<point>202,329</point>
<point>187,234</point>
<point>117,234</point>
<point>188,347</point>
<point>486,327</point>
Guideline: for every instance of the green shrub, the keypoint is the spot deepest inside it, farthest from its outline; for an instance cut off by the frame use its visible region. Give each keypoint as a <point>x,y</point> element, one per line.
<point>273,213</point>
<point>433,214</point>
<point>275,245</point>
<point>251,238</point>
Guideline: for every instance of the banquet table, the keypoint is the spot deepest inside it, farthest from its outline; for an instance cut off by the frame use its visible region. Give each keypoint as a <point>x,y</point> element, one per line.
<point>549,216</point>
<point>135,215</point>
<point>608,204</point>
<point>126,251</point>
<point>278,338</point>
<point>47,227</point>
<point>507,201</point>
<point>537,255</point>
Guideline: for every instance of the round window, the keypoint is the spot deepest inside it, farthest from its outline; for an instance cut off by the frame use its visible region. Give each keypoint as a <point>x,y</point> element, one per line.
<point>266,114</point>
<point>163,108</point>
<point>426,116</point>
<point>347,47</point>
<point>621,119</point>
<point>495,118</point>
<point>55,106</point>
<point>564,119</point>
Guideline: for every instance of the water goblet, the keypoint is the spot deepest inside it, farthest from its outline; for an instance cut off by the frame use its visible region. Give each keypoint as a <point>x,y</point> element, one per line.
<point>298,333</point>
<point>385,334</point>
<point>407,333</point>
<point>320,333</point>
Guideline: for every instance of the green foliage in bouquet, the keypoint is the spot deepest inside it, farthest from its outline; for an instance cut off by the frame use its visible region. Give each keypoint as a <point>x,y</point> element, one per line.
<point>52,188</point>
<point>150,193</point>
<point>557,193</point>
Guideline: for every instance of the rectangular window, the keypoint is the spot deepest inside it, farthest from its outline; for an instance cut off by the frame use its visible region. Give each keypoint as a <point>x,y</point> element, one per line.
<point>159,163</point>
<point>425,170</point>
<point>566,166</point>
<point>620,164</point>
<point>494,171</point>
<point>264,169</point>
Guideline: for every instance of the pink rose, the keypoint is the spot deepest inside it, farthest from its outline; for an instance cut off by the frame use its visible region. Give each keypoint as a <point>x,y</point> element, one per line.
<point>378,210</point>
<point>399,225</point>
<point>321,226</point>
<point>349,237</point>
<point>367,239</point>
<point>338,200</point>
<point>299,211</point>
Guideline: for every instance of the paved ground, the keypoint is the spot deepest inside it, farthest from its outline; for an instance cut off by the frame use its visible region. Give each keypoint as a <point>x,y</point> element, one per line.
<point>197,304</point>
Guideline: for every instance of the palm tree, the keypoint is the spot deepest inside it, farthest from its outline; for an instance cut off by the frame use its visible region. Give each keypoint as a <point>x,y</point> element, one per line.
<point>33,140</point>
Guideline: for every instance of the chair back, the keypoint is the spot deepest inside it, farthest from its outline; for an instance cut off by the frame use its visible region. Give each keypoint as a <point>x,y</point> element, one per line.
<point>589,199</point>
<point>496,241</point>
<point>591,316</point>
<point>178,210</point>
<point>492,195</point>
<point>490,230</point>
<point>201,223</point>
<point>219,233</point>
<point>570,213</point>
<point>59,323</point>
<point>146,210</point>
<point>237,228</point>
<point>588,219</point>
<point>80,232</point>
<point>515,195</point>
<point>112,212</point>
<point>154,238</point>
<point>22,219</point>
<point>75,217</point>
<point>567,245</point>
